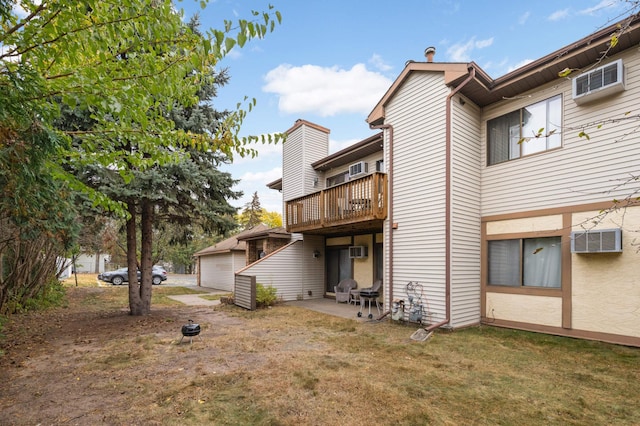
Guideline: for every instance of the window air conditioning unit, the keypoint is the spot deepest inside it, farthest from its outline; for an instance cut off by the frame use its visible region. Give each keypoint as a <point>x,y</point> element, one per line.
<point>358,168</point>
<point>598,83</point>
<point>597,241</point>
<point>357,252</point>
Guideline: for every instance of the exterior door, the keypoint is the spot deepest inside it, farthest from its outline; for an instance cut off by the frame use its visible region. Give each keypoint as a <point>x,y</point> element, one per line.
<point>378,262</point>
<point>339,266</point>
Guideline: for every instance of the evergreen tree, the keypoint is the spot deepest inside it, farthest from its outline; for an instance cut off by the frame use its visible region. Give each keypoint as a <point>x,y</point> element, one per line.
<point>119,68</point>
<point>252,213</point>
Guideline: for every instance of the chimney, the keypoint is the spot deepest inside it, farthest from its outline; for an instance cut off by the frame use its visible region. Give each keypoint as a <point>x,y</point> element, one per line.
<point>429,52</point>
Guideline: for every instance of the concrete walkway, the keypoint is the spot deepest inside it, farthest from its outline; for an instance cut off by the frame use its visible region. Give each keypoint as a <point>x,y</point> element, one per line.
<point>195,299</point>
<point>322,305</point>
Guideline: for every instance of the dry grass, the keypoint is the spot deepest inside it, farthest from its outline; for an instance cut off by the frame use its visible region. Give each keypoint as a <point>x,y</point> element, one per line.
<point>291,366</point>
<point>119,296</point>
<point>372,373</point>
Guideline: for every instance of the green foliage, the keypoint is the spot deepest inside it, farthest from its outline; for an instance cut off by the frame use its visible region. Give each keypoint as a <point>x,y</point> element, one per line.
<point>252,213</point>
<point>126,65</point>
<point>265,296</point>
<point>124,74</point>
<point>51,295</point>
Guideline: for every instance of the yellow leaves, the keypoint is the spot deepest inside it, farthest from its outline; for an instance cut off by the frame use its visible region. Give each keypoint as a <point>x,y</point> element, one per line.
<point>565,72</point>
<point>582,134</point>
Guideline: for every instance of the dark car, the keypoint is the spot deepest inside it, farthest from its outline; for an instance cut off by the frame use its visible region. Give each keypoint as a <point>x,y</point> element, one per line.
<point>119,276</point>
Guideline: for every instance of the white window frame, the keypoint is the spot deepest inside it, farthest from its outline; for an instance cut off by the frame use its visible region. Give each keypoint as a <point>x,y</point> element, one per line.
<point>516,134</point>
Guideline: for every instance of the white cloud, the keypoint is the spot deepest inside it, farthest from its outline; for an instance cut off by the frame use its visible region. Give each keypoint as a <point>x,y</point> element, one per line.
<point>523,19</point>
<point>558,15</point>
<point>604,4</point>
<point>335,146</point>
<point>263,176</point>
<point>377,62</point>
<point>519,64</point>
<point>270,152</point>
<point>325,91</point>
<point>251,182</point>
<point>461,52</point>
<point>19,10</point>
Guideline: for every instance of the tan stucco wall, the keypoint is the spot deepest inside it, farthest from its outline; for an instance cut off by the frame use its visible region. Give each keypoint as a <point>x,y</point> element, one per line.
<point>363,268</point>
<point>339,241</point>
<point>541,310</point>
<point>606,287</point>
<point>531,224</point>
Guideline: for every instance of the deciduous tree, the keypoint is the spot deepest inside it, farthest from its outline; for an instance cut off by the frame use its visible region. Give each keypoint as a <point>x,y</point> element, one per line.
<point>127,64</point>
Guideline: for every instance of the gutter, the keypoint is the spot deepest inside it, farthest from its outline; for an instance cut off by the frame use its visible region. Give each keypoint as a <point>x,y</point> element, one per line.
<point>389,127</point>
<point>447,224</point>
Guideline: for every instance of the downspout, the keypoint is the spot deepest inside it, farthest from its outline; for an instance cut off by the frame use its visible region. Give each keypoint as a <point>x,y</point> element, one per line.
<point>447,224</point>
<point>389,127</point>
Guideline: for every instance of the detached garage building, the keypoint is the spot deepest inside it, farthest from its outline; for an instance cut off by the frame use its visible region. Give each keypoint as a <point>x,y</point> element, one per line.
<point>217,264</point>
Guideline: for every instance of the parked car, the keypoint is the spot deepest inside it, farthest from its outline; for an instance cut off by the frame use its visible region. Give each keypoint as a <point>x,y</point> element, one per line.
<point>121,275</point>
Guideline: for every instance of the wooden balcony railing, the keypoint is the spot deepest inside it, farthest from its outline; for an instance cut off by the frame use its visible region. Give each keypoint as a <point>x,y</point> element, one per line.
<point>357,201</point>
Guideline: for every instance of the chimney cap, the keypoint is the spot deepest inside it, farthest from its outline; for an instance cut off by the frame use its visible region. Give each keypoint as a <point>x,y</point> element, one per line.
<point>429,52</point>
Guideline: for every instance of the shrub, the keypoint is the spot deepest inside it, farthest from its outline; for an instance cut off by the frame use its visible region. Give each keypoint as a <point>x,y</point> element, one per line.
<point>51,295</point>
<point>265,296</point>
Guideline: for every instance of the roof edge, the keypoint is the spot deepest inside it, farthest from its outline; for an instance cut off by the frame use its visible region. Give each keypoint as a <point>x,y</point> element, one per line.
<point>301,122</point>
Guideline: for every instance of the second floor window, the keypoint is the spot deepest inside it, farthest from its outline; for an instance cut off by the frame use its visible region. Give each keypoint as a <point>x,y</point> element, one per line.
<point>337,179</point>
<point>532,129</point>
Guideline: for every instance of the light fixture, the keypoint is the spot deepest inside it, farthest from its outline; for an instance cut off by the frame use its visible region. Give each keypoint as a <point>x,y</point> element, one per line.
<point>316,254</point>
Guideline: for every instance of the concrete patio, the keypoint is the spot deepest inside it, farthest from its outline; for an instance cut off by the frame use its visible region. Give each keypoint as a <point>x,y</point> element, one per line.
<point>330,307</point>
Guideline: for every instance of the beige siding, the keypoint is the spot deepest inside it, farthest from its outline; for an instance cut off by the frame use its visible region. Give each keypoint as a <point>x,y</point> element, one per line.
<point>417,113</point>
<point>304,146</point>
<point>86,263</point>
<point>293,271</point>
<point>217,270</point>
<point>582,171</point>
<point>369,159</point>
<point>465,214</point>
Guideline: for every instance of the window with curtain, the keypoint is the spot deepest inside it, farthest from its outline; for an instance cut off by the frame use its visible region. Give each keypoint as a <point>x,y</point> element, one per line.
<point>528,262</point>
<point>513,135</point>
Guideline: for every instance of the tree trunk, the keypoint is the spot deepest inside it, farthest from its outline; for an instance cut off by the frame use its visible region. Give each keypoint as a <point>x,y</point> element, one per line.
<point>135,303</point>
<point>97,270</point>
<point>146,261</point>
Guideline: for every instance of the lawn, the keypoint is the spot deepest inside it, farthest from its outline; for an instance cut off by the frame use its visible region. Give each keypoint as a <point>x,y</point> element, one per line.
<point>91,363</point>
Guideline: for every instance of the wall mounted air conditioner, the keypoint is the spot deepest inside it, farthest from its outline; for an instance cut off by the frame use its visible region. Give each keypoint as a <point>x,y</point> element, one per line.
<point>357,252</point>
<point>597,241</point>
<point>598,83</point>
<point>358,168</point>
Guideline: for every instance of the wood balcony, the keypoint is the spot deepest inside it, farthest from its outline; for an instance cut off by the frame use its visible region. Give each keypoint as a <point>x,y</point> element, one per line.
<point>360,204</point>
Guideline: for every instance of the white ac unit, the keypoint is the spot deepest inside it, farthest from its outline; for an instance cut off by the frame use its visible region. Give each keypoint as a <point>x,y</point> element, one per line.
<point>357,252</point>
<point>597,241</point>
<point>358,168</point>
<point>598,83</point>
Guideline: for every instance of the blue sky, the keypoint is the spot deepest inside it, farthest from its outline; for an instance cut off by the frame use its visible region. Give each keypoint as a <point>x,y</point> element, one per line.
<point>329,62</point>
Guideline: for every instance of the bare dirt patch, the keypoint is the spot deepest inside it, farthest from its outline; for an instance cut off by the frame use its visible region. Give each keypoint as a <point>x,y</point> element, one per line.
<point>82,366</point>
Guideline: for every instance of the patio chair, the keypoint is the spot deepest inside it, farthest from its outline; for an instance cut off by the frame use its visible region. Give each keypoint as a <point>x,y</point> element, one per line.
<point>343,289</point>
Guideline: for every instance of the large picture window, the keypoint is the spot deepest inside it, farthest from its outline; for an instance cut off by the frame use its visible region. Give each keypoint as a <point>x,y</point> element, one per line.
<point>528,262</point>
<point>532,129</point>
